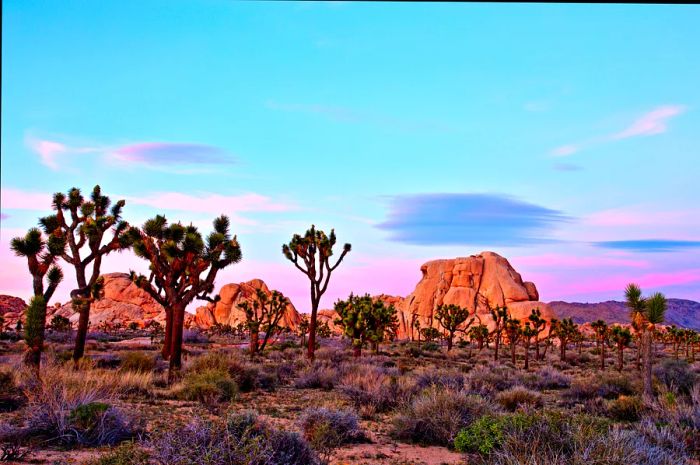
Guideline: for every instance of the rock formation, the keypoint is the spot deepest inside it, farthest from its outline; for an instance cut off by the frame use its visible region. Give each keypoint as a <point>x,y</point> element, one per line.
<point>226,310</point>
<point>475,282</point>
<point>11,309</point>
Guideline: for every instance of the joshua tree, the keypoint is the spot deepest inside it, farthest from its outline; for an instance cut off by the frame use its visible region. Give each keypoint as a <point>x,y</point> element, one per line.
<point>513,331</point>
<point>622,337</point>
<point>500,317</point>
<point>81,223</point>
<point>416,324</point>
<point>453,318</point>
<point>363,319</point>
<point>41,255</point>
<point>178,257</point>
<point>480,334</point>
<point>303,328</point>
<point>263,314</point>
<point>323,331</point>
<point>565,330</point>
<point>646,313</point>
<point>601,332</point>
<point>528,332</point>
<point>60,324</point>
<point>430,334</point>
<point>311,255</point>
<point>538,325</point>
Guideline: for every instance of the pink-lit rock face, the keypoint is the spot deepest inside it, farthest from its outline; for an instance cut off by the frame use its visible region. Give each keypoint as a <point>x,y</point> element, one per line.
<point>227,312</point>
<point>474,282</point>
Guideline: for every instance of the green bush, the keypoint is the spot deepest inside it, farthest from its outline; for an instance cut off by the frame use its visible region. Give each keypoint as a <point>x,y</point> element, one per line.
<point>140,362</point>
<point>87,416</point>
<point>487,432</point>
<point>431,347</point>
<point>209,386</point>
<point>127,453</point>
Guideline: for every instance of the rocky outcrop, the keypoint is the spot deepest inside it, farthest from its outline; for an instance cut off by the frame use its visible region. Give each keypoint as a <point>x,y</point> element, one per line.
<point>226,310</point>
<point>329,316</point>
<point>476,282</point>
<point>11,309</point>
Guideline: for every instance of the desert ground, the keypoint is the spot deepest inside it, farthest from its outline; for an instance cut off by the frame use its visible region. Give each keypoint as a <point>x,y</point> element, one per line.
<point>410,403</point>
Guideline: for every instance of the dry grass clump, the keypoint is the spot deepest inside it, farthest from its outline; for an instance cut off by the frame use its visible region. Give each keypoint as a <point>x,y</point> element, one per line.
<point>487,380</point>
<point>320,375</point>
<point>138,361</point>
<point>436,415</point>
<point>71,407</point>
<point>519,397</point>
<point>374,389</point>
<point>676,375</point>
<point>546,378</point>
<point>235,440</point>
<point>606,386</point>
<point>327,430</point>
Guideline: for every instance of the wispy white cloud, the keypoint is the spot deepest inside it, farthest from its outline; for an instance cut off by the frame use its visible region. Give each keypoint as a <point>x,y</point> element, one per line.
<point>165,156</point>
<point>651,123</point>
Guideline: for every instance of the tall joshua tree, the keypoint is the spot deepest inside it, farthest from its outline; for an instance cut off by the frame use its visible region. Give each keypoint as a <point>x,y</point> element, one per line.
<point>179,256</point>
<point>645,314</point>
<point>41,256</point>
<point>565,331</point>
<point>311,254</point>
<point>622,338</point>
<point>528,332</point>
<point>453,318</point>
<point>601,332</point>
<point>514,332</point>
<point>85,222</point>
<point>500,318</point>
<point>538,325</point>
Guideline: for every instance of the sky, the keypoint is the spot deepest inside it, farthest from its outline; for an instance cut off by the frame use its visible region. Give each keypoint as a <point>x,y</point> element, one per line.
<point>564,137</point>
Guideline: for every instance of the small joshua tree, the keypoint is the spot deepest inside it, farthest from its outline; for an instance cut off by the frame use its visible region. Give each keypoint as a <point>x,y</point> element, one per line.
<point>323,331</point>
<point>453,318</point>
<point>430,334</point>
<point>311,254</point>
<point>528,332</point>
<point>41,256</point>
<point>60,324</point>
<point>601,332</point>
<point>303,328</point>
<point>480,334</point>
<point>622,337</point>
<point>81,223</point>
<point>364,319</point>
<point>514,332</point>
<point>538,325</point>
<point>263,315</point>
<point>565,330</point>
<point>500,317</point>
<point>179,256</point>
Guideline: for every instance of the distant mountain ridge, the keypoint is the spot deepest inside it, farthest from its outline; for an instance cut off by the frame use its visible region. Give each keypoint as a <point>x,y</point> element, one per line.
<point>681,312</point>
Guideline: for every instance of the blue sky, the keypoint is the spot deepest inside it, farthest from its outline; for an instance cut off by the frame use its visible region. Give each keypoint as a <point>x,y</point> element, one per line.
<point>564,137</point>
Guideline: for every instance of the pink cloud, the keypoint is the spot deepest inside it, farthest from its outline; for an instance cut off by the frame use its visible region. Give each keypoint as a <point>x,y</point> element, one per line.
<point>213,203</point>
<point>565,150</point>
<point>155,153</point>
<point>573,261</point>
<point>654,122</point>
<point>24,200</point>
<point>47,150</point>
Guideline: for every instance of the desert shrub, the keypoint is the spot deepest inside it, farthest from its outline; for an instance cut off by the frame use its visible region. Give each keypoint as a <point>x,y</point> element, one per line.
<point>75,407</point>
<point>431,347</point>
<point>519,397</point>
<point>138,361</point>
<point>435,416</point>
<point>676,375</point>
<point>208,386</point>
<point>126,453</point>
<point>546,378</point>
<point>446,379</point>
<point>625,408</point>
<point>194,336</point>
<point>374,389</point>
<point>488,379</point>
<point>317,376</point>
<point>608,386</point>
<point>247,377</point>
<point>109,361</point>
<point>326,430</point>
<point>236,440</point>
<point>11,397</point>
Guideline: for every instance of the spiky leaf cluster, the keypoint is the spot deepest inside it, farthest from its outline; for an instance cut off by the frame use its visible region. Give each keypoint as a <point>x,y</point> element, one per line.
<point>364,319</point>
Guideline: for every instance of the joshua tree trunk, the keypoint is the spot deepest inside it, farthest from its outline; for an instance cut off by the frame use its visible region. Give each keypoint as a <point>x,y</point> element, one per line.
<point>449,342</point>
<point>168,336</point>
<point>254,340</point>
<point>312,324</point>
<point>81,305</point>
<point>512,353</point>
<point>620,357</point>
<point>176,341</point>
<point>646,361</point>
<point>562,355</point>
<point>602,355</point>
<point>34,331</point>
<point>537,348</point>
<point>527,354</point>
